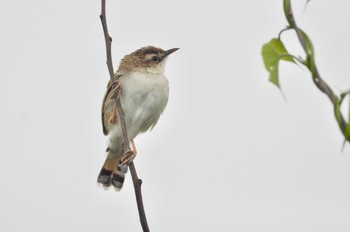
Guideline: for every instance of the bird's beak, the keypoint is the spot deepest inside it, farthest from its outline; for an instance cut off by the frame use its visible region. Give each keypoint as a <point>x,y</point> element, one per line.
<point>168,52</point>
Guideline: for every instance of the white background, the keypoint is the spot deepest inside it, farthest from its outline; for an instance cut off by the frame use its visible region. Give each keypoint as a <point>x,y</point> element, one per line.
<point>228,154</point>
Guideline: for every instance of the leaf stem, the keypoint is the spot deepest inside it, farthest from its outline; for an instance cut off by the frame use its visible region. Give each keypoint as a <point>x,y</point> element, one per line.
<point>294,57</point>
<point>284,30</point>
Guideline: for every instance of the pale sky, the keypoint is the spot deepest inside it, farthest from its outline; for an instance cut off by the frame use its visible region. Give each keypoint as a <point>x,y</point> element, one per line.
<point>228,154</point>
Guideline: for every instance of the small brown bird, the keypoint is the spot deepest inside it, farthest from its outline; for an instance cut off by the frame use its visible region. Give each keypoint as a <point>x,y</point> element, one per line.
<point>144,92</point>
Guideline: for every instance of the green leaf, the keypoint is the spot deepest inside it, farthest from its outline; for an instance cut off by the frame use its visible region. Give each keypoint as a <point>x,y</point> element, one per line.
<point>347,136</point>
<point>287,11</point>
<point>337,112</point>
<point>347,130</point>
<point>338,115</point>
<point>310,52</point>
<point>272,53</point>
<point>349,112</point>
<point>308,44</point>
<point>347,133</point>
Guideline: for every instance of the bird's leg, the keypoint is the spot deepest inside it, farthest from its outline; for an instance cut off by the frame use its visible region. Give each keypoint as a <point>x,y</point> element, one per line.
<point>129,155</point>
<point>133,147</point>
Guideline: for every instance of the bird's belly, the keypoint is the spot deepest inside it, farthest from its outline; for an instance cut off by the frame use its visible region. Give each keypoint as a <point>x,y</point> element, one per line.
<point>144,98</point>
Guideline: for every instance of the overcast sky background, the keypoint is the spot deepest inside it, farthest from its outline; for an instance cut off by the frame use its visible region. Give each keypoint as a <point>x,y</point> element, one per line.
<point>228,154</point>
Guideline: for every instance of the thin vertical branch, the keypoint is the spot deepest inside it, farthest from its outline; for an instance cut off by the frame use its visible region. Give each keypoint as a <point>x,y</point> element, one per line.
<point>136,181</point>
<point>108,40</point>
<point>137,186</point>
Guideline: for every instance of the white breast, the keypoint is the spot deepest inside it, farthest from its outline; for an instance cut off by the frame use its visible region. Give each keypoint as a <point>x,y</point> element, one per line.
<point>144,98</point>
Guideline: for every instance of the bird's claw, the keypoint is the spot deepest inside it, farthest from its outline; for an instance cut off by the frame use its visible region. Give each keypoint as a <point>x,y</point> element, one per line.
<point>128,157</point>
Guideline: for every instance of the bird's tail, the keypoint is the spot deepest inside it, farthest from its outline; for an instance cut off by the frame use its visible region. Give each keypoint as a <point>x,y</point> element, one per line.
<point>112,172</point>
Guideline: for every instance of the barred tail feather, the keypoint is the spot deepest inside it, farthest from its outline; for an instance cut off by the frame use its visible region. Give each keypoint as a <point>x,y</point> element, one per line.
<point>118,176</point>
<point>105,175</point>
<point>112,173</point>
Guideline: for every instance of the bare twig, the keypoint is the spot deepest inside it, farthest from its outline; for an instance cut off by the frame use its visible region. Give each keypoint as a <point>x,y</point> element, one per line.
<point>137,186</point>
<point>136,181</point>
<point>108,40</point>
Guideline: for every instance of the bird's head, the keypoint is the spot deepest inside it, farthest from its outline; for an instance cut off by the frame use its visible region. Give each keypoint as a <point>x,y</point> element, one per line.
<point>147,59</point>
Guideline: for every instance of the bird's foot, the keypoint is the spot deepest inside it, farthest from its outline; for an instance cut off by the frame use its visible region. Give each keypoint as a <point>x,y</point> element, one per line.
<point>128,157</point>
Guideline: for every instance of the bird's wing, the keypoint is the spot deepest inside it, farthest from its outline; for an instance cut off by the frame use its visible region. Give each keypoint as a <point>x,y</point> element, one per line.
<point>109,111</point>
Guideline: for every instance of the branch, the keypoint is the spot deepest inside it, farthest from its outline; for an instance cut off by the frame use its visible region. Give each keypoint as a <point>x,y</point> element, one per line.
<point>108,40</point>
<point>319,82</point>
<point>137,186</point>
<point>136,181</point>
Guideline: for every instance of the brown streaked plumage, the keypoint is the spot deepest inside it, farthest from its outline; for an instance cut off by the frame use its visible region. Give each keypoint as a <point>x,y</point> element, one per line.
<point>143,94</point>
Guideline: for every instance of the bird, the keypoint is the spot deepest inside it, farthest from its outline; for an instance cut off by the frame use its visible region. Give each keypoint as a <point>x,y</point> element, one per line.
<point>143,90</point>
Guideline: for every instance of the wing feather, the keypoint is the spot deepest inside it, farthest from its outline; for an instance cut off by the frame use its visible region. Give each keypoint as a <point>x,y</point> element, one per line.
<point>108,106</point>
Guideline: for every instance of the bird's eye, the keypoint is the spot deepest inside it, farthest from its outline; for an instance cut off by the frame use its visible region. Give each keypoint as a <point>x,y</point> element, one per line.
<point>155,58</point>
